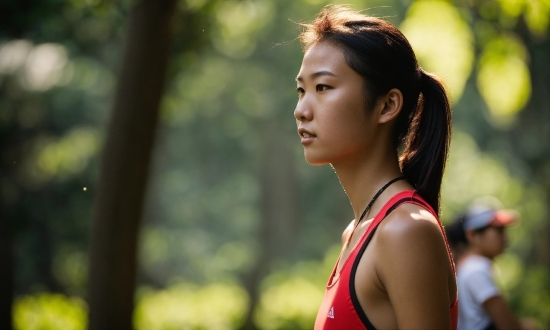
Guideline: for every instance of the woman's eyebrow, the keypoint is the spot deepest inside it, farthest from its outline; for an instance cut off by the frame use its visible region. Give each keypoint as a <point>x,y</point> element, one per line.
<point>317,74</point>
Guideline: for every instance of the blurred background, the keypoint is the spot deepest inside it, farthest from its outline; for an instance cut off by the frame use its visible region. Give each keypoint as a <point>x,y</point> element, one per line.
<point>237,228</point>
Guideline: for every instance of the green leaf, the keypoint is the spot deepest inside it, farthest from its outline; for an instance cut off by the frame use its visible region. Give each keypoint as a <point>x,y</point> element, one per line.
<point>503,78</point>
<point>443,42</point>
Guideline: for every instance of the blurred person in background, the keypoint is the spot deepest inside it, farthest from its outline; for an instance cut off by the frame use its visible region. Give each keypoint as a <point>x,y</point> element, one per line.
<point>361,96</point>
<point>456,237</point>
<point>476,238</point>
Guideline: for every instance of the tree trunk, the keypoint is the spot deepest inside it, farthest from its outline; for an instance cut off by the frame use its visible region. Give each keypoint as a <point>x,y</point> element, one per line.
<point>10,157</point>
<point>124,166</point>
<point>280,210</point>
<point>6,267</point>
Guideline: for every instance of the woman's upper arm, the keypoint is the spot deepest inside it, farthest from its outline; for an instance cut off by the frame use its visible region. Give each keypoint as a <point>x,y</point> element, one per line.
<point>414,269</point>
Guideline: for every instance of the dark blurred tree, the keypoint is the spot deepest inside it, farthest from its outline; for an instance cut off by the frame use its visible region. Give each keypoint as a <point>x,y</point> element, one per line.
<point>125,165</point>
<point>6,275</point>
<point>15,22</point>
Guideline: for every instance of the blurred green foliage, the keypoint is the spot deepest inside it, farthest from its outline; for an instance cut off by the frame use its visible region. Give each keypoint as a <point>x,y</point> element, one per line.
<point>186,306</point>
<point>226,88</point>
<point>290,299</point>
<point>291,295</point>
<point>49,311</point>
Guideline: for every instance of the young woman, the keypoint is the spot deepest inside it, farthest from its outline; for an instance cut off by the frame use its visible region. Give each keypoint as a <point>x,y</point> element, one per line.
<point>362,97</point>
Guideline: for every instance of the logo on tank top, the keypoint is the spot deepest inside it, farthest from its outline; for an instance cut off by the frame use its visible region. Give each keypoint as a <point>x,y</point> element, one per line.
<point>331,313</point>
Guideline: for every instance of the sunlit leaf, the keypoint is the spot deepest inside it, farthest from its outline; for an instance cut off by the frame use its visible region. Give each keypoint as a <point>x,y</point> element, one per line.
<point>537,16</point>
<point>503,78</point>
<point>512,8</point>
<point>442,41</point>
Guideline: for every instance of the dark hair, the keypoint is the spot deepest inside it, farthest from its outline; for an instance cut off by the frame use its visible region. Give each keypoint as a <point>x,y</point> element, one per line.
<point>381,54</point>
<point>455,232</point>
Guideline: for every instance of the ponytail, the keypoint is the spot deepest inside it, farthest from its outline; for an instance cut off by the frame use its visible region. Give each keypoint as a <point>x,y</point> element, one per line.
<point>427,141</point>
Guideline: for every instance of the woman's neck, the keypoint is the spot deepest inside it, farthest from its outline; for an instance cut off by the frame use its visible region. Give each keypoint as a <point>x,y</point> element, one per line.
<point>362,178</point>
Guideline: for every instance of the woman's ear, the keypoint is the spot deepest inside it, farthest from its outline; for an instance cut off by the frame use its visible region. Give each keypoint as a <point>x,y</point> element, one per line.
<point>389,105</point>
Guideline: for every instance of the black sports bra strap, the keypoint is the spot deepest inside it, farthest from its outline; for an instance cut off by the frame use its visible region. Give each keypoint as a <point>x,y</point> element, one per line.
<point>404,200</point>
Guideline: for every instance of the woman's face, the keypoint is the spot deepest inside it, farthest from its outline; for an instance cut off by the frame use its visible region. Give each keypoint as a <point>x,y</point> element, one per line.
<point>331,113</point>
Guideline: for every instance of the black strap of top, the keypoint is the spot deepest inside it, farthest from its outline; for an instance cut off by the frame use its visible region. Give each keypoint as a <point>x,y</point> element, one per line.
<point>380,191</point>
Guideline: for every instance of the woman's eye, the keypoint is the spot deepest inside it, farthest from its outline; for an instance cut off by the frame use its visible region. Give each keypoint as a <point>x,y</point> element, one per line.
<point>300,91</point>
<point>321,87</point>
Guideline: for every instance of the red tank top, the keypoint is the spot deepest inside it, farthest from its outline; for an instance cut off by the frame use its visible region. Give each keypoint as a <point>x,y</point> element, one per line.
<point>340,308</point>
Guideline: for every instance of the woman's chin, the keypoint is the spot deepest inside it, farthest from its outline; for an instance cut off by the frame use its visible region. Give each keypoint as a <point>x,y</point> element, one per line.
<point>315,161</point>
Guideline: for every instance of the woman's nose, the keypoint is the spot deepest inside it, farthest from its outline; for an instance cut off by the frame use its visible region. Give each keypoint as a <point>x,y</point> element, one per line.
<point>303,112</point>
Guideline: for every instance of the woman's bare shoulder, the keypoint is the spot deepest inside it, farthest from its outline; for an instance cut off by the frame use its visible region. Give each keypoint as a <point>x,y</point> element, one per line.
<point>409,221</point>
<point>409,235</point>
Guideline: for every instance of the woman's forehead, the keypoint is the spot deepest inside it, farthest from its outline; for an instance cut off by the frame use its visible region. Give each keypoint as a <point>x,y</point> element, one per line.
<point>323,57</point>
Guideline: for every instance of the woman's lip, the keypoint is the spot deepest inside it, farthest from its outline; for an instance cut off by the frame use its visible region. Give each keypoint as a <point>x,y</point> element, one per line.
<point>306,136</point>
<point>302,131</point>
<point>307,140</point>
